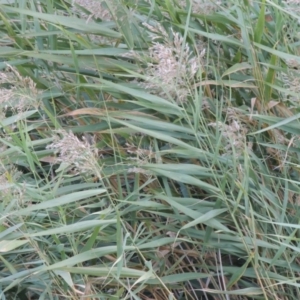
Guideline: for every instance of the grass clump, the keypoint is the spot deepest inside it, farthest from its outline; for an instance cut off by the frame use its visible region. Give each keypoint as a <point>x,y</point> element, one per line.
<point>149,150</point>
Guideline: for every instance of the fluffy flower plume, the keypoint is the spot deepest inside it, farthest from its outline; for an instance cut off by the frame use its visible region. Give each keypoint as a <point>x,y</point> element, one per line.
<point>292,2</point>
<point>172,67</point>
<point>80,154</point>
<point>204,7</point>
<point>291,80</point>
<point>143,156</point>
<point>17,92</point>
<point>234,133</point>
<point>8,176</point>
<point>96,9</point>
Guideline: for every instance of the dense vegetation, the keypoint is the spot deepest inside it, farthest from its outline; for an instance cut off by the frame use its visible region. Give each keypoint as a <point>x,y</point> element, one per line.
<point>149,149</point>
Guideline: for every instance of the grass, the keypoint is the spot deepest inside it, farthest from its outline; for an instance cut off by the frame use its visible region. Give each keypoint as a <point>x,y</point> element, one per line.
<point>149,150</point>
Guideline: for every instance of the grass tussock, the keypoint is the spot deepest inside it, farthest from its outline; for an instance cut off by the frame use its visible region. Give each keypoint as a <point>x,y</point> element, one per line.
<point>149,149</point>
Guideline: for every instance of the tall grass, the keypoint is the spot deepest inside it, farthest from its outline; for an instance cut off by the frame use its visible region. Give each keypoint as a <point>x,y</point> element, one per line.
<point>149,150</point>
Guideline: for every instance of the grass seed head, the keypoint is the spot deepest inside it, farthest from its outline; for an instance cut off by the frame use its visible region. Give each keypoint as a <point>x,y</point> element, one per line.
<point>21,93</point>
<point>81,154</point>
<point>172,67</point>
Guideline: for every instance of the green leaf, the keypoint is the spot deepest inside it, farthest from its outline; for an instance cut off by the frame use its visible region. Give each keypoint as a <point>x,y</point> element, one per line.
<point>193,213</point>
<point>204,218</point>
<point>236,68</point>
<point>187,179</point>
<point>260,25</point>
<point>70,198</point>
<point>276,125</point>
<point>65,276</point>
<point>6,246</point>
<point>238,274</point>
<point>72,228</point>
<point>13,119</point>
<point>176,278</point>
<point>69,22</point>
<point>122,18</point>
<point>271,75</point>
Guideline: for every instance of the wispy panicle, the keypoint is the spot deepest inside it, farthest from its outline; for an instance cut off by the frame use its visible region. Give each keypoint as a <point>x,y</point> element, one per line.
<point>96,9</point>
<point>293,5</point>
<point>204,7</point>
<point>291,80</point>
<point>9,175</point>
<point>234,135</point>
<point>73,151</point>
<point>172,65</point>
<point>17,92</point>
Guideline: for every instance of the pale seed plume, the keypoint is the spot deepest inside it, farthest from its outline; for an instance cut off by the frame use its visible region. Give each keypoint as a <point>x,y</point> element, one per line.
<point>17,93</point>
<point>73,151</point>
<point>172,66</point>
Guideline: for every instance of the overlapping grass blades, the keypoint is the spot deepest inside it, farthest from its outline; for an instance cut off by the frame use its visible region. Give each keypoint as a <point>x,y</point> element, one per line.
<point>193,199</point>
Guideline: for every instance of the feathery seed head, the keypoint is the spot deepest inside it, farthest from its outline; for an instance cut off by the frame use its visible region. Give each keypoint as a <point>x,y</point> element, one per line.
<point>204,7</point>
<point>81,154</point>
<point>172,67</point>
<point>21,93</point>
<point>234,134</point>
<point>96,9</point>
